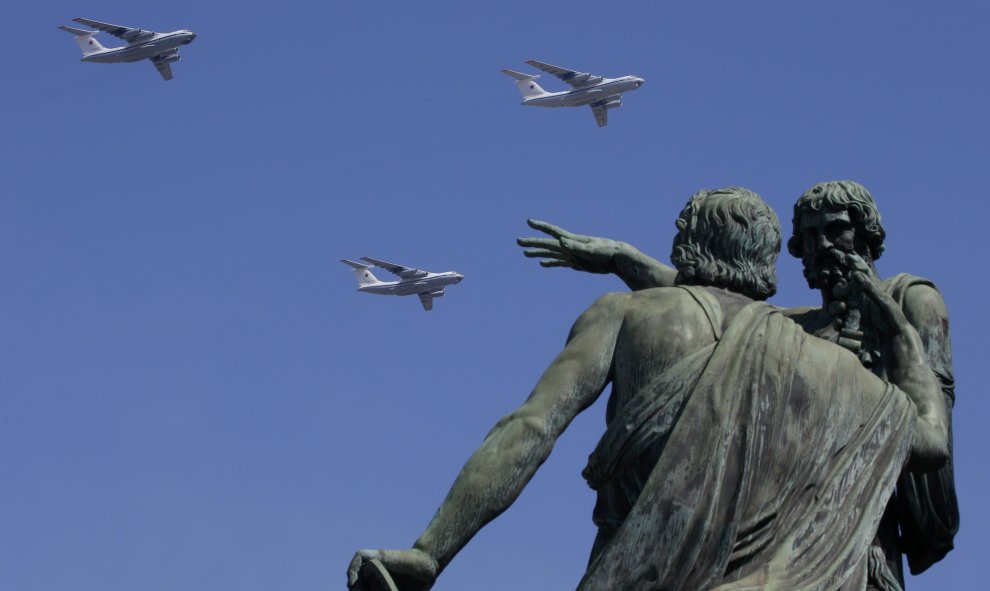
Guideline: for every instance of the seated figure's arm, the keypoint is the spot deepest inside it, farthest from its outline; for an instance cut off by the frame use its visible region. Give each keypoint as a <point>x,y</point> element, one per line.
<point>925,310</point>
<point>928,511</point>
<point>910,372</point>
<point>520,442</point>
<point>597,255</point>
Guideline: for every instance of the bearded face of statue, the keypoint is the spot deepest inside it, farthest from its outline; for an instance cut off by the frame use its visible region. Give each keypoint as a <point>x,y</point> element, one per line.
<point>822,233</point>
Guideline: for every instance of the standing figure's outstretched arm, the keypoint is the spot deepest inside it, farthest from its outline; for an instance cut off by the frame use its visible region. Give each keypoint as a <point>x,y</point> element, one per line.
<point>596,255</point>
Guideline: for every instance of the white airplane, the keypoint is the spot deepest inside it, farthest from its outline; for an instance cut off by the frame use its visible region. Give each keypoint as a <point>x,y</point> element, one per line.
<point>161,48</point>
<point>411,281</point>
<point>600,93</point>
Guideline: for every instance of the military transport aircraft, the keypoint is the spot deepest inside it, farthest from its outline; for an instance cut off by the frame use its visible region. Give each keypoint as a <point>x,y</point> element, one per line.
<point>161,48</point>
<point>411,281</point>
<point>600,93</point>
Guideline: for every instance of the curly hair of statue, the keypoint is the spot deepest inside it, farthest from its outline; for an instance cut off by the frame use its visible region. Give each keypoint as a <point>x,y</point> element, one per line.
<point>728,238</point>
<point>847,196</point>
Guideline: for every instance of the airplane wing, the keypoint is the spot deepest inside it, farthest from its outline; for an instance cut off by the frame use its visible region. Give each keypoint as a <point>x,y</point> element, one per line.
<point>163,64</point>
<point>128,34</point>
<point>426,298</point>
<point>600,108</point>
<point>399,270</point>
<point>601,113</point>
<point>572,77</point>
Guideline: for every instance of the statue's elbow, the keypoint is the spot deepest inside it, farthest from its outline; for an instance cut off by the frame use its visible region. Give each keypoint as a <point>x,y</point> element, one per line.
<point>521,428</point>
<point>925,462</point>
<point>930,451</point>
<point>533,428</point>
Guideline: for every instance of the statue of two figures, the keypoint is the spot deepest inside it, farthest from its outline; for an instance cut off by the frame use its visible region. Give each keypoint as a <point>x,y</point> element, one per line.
<point>827,452</point>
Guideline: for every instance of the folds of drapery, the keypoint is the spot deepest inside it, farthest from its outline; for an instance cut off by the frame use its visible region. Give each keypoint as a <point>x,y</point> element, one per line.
<point>761,462</point>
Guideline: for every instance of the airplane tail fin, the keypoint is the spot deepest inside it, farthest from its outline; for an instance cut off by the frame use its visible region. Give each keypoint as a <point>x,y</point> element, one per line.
<point>526,83</point>
<point>87,43</point>
<point>362,273</point>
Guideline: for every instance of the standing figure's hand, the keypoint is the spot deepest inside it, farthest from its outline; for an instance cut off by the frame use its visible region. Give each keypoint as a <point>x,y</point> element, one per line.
<point>411,570</point>
<point>566,249</point>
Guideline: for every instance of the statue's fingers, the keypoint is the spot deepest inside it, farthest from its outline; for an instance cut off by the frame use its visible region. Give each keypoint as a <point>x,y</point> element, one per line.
<point>572,243</point>
<point>547,243</point>
<point>543,254</point>
<point>555,231</point>
<point>841,256</point>
<point>859,271</point>
<point>857,262</point>
<point>557,263</point>
<point>851,260</point>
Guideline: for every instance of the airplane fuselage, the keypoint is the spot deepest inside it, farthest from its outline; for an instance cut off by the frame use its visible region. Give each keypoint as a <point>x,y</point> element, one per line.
<point>433,281</point>
<point>586,96</point>
<point>140,50</point>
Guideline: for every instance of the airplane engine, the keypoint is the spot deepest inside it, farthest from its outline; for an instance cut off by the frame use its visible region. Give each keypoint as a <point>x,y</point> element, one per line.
<point>169,59</point>
<point>613,104</point>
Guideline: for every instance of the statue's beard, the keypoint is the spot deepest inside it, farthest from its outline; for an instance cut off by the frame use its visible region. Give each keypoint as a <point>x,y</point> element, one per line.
<point>824,272</point>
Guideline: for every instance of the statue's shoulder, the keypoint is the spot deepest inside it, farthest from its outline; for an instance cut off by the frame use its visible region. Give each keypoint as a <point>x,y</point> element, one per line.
<point>672,295</point>
<point>656,293</point>
<point>914,293</point>
<point>799,312</point>
<point>668,301</point>
<point>899,284</point>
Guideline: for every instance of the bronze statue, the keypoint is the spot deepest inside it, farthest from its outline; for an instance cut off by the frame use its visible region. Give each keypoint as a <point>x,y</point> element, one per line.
<point>838,216</point>
<point>740,453</point>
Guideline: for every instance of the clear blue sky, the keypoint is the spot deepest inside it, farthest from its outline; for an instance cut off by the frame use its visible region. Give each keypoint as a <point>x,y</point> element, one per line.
<point>194,396</point>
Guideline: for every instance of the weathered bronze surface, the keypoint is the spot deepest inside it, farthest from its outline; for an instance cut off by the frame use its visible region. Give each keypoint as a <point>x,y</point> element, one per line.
<point>742,451</point>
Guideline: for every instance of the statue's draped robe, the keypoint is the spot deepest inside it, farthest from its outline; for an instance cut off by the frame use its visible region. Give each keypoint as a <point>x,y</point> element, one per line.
<point>763,461</point>
<point>922,518</point>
